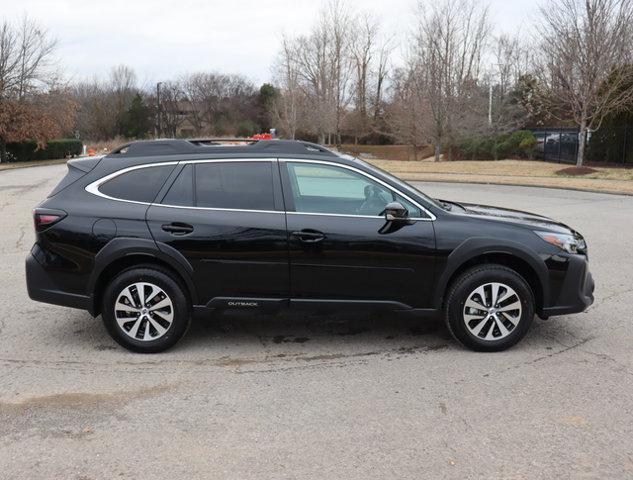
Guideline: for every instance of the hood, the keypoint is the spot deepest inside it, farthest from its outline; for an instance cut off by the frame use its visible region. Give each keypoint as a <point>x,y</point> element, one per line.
<point>531,220</point>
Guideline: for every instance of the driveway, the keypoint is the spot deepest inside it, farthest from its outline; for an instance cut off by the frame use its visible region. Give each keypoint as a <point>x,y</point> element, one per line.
<point>324,397</point>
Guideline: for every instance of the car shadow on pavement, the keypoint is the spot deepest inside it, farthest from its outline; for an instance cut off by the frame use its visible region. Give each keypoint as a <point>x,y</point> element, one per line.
<point>317,332</point>
<point>239,334</point>
<point>282,331</point>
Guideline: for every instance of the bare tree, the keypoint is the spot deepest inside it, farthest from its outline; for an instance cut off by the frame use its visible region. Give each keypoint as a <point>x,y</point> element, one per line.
<point>370,54</point>
<point>585,48</point>
<point>315,79</point>
<point>25,52</point>
<point>380,76</point>
<point>217,102</point>
<point>122,88</point>
<point>172,116</point>
<point>338,20</point>
<point>408,113</point>
<point>323,68</point>
<point>447,51</point>
<point>512,61</point>
<point>287,106</point>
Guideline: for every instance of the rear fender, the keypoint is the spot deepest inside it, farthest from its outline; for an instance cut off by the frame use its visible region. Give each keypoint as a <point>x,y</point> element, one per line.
<point>121,247</point>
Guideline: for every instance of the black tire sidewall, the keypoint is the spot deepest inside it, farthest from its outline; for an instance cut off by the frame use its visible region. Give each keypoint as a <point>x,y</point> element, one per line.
<point>464,286</point>
<point>182,311</point>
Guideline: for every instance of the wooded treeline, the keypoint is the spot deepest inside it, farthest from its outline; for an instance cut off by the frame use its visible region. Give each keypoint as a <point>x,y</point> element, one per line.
<point>348,80</point>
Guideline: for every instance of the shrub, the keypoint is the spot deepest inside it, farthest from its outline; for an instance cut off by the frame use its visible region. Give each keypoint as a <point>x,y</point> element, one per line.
<point>246,129</point>
<point>54,149</point>
<point>519,144</point>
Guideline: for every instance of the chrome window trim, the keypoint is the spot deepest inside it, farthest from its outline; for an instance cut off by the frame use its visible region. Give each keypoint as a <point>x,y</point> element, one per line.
<point>93,188</point>
<point>216,209</point>
<point>431,216</point>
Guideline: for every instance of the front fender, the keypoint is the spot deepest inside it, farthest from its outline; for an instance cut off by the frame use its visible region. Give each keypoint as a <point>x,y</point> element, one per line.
<point>480,246</point>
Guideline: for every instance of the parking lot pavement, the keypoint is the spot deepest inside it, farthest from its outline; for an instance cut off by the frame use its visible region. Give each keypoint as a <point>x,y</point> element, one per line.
<point>324,397</point>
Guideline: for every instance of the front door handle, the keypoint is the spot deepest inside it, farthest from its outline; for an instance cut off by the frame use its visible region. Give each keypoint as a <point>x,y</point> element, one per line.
<point>177,228</point>
<point>309,236</point>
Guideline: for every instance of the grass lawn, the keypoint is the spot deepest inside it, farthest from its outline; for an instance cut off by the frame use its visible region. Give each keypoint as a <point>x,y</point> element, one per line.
<point>512,172</point>
<point>398,159</point>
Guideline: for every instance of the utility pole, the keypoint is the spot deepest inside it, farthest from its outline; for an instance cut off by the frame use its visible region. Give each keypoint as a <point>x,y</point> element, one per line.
<point>157,127</point>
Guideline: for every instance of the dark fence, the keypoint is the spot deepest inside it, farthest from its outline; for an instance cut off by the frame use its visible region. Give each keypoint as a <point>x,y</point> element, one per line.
<point>610,144</point>
<point>556,144</point>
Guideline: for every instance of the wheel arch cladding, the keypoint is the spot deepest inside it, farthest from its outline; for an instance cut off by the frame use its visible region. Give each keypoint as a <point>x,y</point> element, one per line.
<point>478,251</point>
<point>122,253</point>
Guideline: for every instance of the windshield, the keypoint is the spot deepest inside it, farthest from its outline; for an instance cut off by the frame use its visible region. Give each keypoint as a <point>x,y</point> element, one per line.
<point>403,185</point>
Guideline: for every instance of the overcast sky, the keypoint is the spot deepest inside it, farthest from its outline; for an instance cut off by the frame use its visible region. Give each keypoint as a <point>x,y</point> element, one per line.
<point>162,39</point>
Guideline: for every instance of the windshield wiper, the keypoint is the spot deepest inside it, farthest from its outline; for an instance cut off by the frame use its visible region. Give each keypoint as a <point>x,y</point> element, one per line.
<point>447,206</point>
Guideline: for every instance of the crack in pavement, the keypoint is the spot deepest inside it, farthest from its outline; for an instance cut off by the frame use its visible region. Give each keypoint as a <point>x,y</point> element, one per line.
<point>226,361</point>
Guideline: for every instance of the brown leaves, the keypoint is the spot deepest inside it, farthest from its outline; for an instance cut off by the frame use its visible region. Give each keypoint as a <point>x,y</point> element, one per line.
<point>39,118</point>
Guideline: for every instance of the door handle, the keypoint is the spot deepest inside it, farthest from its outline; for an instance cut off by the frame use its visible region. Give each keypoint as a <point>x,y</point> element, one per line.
<point>177,228</point>
<point>309,236</point>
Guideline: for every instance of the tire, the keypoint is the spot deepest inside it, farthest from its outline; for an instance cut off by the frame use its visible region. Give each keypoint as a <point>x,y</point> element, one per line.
<point>154,325</point>
<point>489,328</point>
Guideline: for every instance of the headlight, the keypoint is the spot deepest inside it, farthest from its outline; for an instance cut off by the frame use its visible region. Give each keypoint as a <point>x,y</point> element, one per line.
<point>564,241</point>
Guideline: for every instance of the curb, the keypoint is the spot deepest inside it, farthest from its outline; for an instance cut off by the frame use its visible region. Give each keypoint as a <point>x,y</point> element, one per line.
<point>43,163</point>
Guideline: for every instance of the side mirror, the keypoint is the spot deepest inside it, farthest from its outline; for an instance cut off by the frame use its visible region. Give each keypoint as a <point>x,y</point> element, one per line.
<point>395,211</point>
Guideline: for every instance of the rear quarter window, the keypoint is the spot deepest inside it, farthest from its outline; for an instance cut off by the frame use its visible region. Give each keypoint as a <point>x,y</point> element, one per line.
<point>140,185</point>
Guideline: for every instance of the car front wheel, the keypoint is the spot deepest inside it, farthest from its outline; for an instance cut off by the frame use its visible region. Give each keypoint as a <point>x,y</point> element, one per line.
<point>489,308</point>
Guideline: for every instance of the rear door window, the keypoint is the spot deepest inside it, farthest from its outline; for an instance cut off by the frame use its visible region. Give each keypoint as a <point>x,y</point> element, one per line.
<point>139,185</point>
<point>244,185</point>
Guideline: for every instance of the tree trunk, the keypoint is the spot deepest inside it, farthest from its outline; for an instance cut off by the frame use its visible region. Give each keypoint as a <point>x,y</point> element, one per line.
<point>582,140</point>
<point>321,138</point>
<point>437,151</point>
<point>3,150</point>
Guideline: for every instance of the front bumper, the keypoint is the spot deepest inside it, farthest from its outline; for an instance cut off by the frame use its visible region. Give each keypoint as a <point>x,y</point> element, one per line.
<point>576,294</point>
<point>42,287</point>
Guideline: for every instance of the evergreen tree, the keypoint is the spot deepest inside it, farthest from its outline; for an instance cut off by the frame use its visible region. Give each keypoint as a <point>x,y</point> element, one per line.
<point>137,119</point>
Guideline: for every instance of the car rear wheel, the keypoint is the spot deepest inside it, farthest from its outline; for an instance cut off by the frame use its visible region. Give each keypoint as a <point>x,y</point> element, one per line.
<point>145,309</point>
<point>489,308</point>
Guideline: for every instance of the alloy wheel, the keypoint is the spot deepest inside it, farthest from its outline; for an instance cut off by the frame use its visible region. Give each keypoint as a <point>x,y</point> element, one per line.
<point>143,311</point>
<point>492,311</point>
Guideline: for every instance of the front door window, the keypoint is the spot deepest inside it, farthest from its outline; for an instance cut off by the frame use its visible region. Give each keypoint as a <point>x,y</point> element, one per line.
<point>328,189</point>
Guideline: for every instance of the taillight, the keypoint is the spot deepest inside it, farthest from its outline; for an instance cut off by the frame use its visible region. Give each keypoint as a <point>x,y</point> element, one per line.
<point>42,219</point>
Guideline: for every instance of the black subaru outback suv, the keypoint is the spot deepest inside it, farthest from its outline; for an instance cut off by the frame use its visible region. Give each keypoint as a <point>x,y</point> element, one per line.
<point>157,231</point>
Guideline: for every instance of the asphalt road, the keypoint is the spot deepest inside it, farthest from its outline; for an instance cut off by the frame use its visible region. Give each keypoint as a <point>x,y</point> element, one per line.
<point>321,397</point>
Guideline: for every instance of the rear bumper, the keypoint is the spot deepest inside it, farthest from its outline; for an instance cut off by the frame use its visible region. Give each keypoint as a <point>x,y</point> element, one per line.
<point>576,294</point>
<point>42,288</point>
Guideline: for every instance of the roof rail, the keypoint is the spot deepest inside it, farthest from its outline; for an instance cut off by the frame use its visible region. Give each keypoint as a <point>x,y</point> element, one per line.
<point>218,145</point>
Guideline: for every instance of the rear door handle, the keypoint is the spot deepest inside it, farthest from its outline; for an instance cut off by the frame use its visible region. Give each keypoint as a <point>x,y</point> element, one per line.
<point>309,236</point>
<point>177,228</point>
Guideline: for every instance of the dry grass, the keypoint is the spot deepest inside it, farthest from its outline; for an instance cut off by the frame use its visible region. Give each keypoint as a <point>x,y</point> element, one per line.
<point>515,168</point>
<point>512,172</point>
